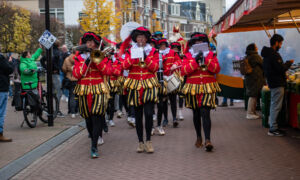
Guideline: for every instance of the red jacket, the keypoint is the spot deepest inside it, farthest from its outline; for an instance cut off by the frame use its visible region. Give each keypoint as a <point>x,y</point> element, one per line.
<point>94,75</point>
<point>169,59</point>
<point>194,73</point>
<point>138,73</point>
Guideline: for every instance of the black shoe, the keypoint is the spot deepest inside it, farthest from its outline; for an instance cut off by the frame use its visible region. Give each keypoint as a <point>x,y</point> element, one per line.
<point>60,114</point>
<point>175,124</point>
<point>231,104</point>
<point>276,132</point>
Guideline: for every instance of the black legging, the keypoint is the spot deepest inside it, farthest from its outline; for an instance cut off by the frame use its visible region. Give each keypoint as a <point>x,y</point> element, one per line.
<point>111,106</point>
<point>173,103</point>
<point>180,102</point>
<point>123,102</point>
<point>148,111</point>
<point>204,114</point>
<point>94,126</point>
<point>162,108</point>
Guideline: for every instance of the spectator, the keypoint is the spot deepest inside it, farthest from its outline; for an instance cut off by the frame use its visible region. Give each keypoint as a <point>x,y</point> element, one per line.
<point>224,103</point>
<point>70,83</point>
<point>56,60</point>
<point>253,81</point>
<point>65,53</point>
<point>275,72</point>
<point>6,69</point>
<point>28,69</point>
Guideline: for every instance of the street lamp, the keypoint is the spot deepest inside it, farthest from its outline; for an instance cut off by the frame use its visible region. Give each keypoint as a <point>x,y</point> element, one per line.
<point>134,3</point>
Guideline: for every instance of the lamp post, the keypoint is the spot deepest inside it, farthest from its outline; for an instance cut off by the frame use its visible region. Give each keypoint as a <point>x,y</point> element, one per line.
<point>49,69</point>
<point>134,3</point>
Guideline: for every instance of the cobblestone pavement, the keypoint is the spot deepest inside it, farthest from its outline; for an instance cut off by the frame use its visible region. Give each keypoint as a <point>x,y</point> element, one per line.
<point>242,151</point>
<point>25,138</point>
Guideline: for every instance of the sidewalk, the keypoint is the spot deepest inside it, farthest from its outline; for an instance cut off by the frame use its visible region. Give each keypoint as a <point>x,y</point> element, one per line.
<point>242,151</point>
<point>25,139</point>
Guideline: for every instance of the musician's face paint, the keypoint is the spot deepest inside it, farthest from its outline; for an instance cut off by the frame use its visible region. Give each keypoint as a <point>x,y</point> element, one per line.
<point>91,44</point>
<point>163,46</point>
<point>175,49</point>
<point>141,40</point>
<point>198,42</point>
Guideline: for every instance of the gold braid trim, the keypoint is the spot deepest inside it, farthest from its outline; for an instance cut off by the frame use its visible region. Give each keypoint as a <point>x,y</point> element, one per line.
<point>207,88</point>
<point>81,89</point>
<point>138,84</point>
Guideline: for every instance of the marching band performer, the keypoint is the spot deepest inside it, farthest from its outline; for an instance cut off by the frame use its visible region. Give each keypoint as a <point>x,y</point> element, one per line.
<point>176,46</point>
<point>123,94</point>
<point>141,83</point>
<point>170,62</point>
<point>201,86</point>
<point>113,87</point>
<point>91,88</point>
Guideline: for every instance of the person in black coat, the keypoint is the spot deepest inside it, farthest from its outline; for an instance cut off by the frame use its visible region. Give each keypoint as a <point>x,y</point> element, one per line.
<point>275,72</point>
<point>253,81</point>
<point>6,68</point>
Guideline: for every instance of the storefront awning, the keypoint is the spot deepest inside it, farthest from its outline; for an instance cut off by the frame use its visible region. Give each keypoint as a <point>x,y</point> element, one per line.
<point>254,15</point>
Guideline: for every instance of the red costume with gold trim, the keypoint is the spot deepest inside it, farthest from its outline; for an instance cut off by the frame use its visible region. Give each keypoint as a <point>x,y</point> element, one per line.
<point>201,86</point>
<point>141,83</point>
<point>91,89</point>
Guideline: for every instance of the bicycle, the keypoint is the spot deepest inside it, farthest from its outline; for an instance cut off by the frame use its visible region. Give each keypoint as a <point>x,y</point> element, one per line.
<point>30,113</point>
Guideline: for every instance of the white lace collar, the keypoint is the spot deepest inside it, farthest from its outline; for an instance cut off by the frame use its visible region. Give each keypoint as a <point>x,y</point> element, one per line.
<point>147,48</point>
<point>165,52</point>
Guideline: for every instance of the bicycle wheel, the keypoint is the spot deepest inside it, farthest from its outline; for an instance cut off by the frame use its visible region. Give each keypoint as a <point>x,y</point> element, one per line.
<point>44,116</point>
<point>29,115</point>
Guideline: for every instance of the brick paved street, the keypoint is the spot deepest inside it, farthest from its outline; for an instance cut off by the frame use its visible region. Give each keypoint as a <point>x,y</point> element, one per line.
<point>242,151</point>
<point>25,138</point>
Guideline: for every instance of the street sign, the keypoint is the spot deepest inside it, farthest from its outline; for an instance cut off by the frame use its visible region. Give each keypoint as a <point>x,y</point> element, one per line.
<point>47,39</point>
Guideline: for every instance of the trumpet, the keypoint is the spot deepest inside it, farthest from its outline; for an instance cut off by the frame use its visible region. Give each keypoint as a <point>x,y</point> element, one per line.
<point>97,56</point>
<point>142,63</point>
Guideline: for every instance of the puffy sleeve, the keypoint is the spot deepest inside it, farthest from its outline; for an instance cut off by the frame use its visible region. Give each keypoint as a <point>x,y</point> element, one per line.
<point>188,66</point>
<point>105,67</point>
<point>117,69</point>
<point>80,67</point>
<point>152,61</point>
<point>212,63</point>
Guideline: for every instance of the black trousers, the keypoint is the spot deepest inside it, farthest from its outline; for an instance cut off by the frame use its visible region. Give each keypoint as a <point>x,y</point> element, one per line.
<point>180,102</point>
<point>162,109</point>
<point>148,111</point>
<point>123,102</point>
<point>111,106</point>
<point>94,126</point>
<point>73,102</point>
<point>172,98</point>
<point>203,114</point>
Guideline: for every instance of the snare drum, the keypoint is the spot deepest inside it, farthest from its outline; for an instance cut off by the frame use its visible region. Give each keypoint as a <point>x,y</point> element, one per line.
<point>173,83</point>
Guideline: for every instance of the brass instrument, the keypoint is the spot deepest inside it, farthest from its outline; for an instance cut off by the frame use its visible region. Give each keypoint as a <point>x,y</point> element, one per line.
<point>97,56</point>
<point>142,63</point>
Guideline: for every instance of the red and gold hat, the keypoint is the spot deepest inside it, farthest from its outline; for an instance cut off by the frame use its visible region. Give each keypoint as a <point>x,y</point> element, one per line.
<point>88,36</point>
<point>163,40</point>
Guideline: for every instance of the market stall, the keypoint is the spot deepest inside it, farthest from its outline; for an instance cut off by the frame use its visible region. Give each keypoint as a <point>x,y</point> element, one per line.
<point>255,15</point>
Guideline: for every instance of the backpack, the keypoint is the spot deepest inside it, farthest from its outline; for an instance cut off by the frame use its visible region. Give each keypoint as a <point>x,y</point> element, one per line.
<point>245,67</point>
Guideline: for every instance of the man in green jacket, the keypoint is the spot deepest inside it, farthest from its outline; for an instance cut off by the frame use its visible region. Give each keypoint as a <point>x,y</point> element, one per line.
<point>28,68</point>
